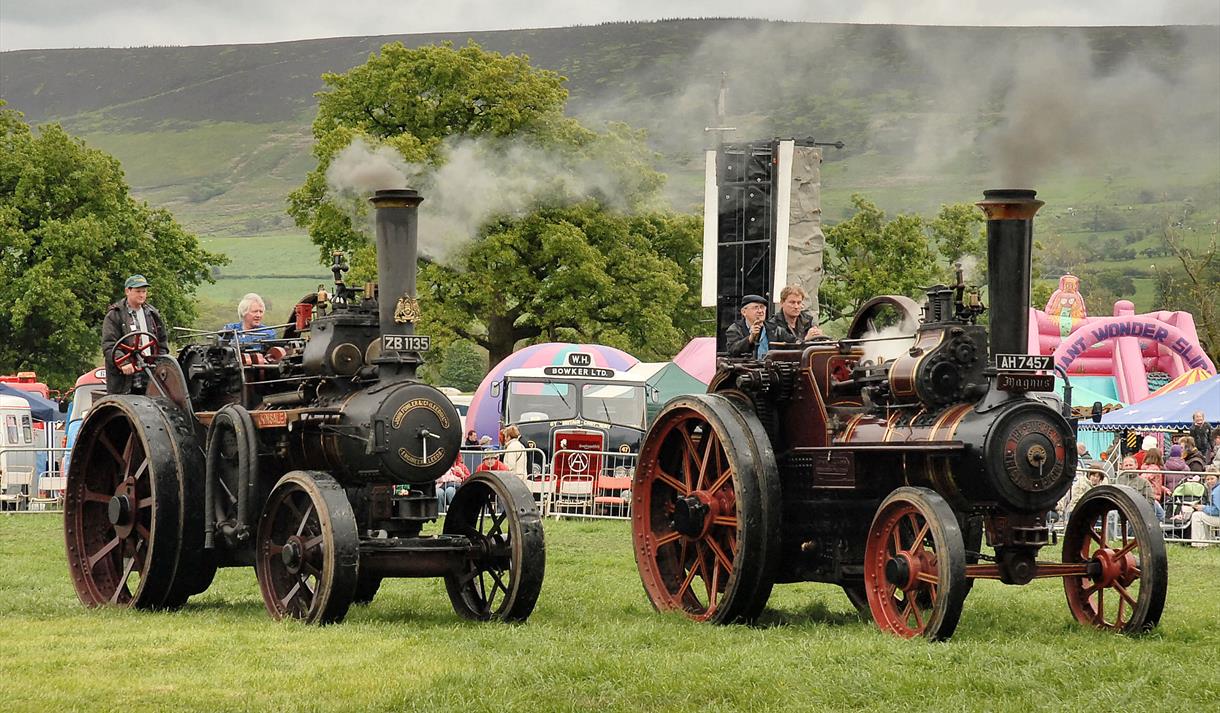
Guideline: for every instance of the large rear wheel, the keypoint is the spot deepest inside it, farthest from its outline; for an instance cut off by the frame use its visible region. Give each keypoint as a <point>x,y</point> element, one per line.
<point>122,506</point>
<point>705,516</point>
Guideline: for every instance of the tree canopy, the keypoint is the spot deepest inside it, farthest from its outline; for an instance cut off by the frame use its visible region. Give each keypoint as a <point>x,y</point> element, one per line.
<point>69,235</point>
<point>872,256</point>
<point>606,266</point>
<point>570,273</point>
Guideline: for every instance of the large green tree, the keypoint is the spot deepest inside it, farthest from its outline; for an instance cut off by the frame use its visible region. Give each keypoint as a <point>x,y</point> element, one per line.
<point>871,255</point>
<point>608,266</point>
<point>566,273</point>
<point>70,233</point>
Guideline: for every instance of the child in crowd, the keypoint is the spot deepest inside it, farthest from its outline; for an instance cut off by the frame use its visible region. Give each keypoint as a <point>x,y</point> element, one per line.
<point>447,484</point>
<point>1153,464</point>
<point>1129,475</point>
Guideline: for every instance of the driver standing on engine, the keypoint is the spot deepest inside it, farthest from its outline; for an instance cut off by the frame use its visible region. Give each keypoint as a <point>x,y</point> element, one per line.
<point>131,314</point>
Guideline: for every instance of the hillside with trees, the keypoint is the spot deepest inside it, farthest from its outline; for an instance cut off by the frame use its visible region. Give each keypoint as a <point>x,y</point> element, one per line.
<point>1118,128</point>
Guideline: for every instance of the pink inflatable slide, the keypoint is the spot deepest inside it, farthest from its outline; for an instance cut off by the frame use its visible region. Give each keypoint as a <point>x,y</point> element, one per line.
<point>1126,346</point>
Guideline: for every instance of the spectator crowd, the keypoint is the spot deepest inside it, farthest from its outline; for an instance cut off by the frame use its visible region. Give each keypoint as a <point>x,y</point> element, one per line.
<point>1178,482</point>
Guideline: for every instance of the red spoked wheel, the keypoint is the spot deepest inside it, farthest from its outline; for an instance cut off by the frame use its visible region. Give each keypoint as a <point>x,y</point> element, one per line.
<point>705,520</point>
<point>122,509</point>
<point>134,348</point>
<point>915,565</point>
<point>1115,533</point>
<point>308,549</point>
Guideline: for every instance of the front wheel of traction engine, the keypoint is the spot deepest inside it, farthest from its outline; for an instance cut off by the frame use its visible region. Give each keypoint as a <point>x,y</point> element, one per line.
<point>130,510</point>
<point>705,516</point>
<point>502,578</point>
<point>308,549</point>
<point>915,565</point>
<point>1114,532</point>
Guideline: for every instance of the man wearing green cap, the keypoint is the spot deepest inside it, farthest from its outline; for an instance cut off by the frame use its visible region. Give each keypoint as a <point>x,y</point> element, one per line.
<point>131,314</point>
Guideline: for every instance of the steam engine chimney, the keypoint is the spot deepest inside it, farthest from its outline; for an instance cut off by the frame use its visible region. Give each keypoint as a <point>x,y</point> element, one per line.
<point>1010,239</point>
<point>397,259</point>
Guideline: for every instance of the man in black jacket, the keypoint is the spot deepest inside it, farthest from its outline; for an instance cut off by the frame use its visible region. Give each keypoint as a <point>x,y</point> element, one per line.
<point>792,324</point>
<point>741,338</point>
<point>1201,431</point>
<point>131,314</point>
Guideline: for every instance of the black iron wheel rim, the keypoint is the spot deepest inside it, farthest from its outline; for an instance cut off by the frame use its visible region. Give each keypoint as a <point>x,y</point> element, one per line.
<point>115,475</point>
<point>502,577</point>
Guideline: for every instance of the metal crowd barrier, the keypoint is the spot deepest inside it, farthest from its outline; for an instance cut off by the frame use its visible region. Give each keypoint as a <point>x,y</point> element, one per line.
<point>1176,522</point>
<point>24,490</point>
<point>591,484</point>
<point>536,467</point>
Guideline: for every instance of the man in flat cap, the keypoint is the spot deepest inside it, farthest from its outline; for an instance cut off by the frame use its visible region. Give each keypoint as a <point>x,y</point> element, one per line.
<point>742,337</point>
<point>131,314</point>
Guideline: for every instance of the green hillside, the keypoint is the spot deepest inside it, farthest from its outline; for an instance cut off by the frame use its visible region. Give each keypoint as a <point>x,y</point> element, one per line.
<point>1118,128</point>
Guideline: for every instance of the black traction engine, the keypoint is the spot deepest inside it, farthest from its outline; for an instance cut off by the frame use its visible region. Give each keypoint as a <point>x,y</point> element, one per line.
<point>312,458</point>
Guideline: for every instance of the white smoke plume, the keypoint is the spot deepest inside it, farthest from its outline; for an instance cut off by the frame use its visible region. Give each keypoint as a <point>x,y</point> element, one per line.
<point>479,179</point>
<point>361,169</point>
<point>890,342</point>
<point>1049,101</point>
<point>482,178</point>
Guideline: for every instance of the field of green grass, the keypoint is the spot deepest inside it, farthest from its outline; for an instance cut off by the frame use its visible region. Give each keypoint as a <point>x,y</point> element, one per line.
<point>593,644</point>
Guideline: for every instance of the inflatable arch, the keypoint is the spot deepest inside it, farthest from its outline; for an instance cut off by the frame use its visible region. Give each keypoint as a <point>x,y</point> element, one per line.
<point>1126,346</point>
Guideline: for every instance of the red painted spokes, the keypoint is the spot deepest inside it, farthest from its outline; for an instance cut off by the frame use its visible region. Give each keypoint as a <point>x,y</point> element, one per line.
<point>915,565</point>
<point>906,555</point>
<point>1114,534</point>
<point>134,346</point>
<point>691,514</point>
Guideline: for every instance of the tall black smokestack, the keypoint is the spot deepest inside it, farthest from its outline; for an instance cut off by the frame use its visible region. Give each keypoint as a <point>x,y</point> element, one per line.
<point>1010,240</point>
<point>397,250</point>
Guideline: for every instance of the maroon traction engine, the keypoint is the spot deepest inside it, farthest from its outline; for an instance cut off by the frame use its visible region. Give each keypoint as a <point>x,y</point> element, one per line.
<point>817,464</point>
<point>313,460</point>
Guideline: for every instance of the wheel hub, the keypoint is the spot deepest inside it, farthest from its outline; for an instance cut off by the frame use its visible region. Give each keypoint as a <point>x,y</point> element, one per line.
<point>1107,568</point>
<point>694,513</point>
<point>292,553</point>
<point>119,510</point>
<point>901,571</point>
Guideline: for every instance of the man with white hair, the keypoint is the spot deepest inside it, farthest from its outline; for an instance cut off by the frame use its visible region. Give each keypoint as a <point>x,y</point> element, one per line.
<point>249,329</point>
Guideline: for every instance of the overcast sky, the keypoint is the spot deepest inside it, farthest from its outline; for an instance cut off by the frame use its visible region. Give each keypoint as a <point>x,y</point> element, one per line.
<point>27,24</point>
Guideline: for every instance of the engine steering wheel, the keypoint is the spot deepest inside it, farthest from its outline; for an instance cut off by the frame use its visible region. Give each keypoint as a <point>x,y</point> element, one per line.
<point>130,350</point>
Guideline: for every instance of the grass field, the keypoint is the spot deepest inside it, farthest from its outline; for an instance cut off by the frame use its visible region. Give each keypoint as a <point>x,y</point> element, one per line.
<point>593,644</point>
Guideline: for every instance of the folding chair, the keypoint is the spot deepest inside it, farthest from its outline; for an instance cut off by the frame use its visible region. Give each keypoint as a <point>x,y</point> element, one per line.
<point>613,496</point>
<point>542,487</point>
<point>19,478</point>
<point>573,492</point>
<point>54,486</point>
